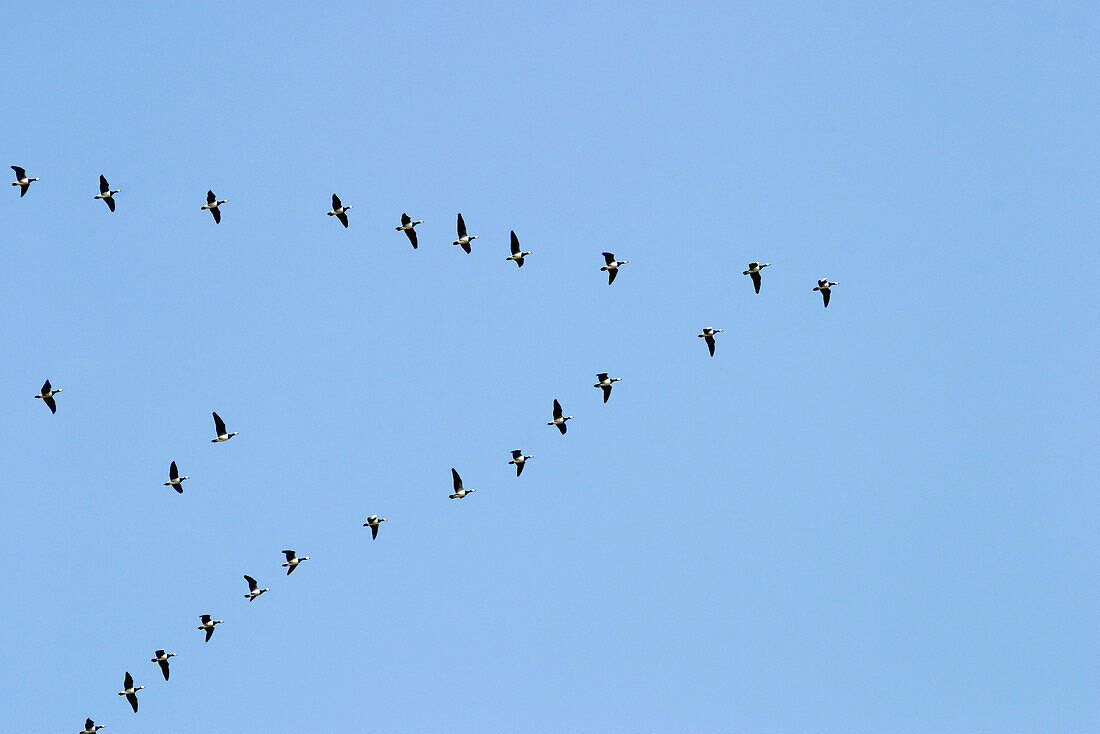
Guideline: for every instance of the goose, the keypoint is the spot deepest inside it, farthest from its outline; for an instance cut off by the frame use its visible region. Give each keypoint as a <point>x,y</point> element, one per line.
<point>519,460</point>
<point>605,383</point>
<point>106,193</point>
<point>339,210</point>
<point>90,727</point>
<point>517,254</point>
<point>463,238</point>
<point>208,625</point>
<point>212,204</point>
<point>558,420</point>
<point>612,266</point>
<point>373,522</point>
<point>47,396</point>
<point>130,692</point>
<point>460,492</point>
<point>824,285</point>
<point>292,561</point>
<point>253,590</point>
<point>219,429</point>
<point>407,224</point>
<point>754,271</point>
<point>708,334</point>
<point>162,657</point>
<point>23,183</point>
<point>174,479</point>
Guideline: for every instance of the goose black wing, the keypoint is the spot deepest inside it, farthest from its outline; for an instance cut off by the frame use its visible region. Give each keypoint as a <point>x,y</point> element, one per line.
<point>219,425</point>
<point>606,392</point>
<point>289,555</point>
<point>173,472</point>
<point>557,410</point>
<point>205,618</point>
<point>209,633</point>
<point>104,187</point>
<point>164,668</point>
<point>412,235</point>
<point>45,387</point>
<point>343,219</point>
<point>461,227</point>
<point>50,402</point>
<point>561,427</point>
<point>611,275</point>
<point>519,468</point>
<point>405,218</point>
<point>110,202</point>
<point>88,723</point>
<point>516,453</point>
<point>210,198</point>
<point>373,531</point>
<point>19,172</point>
<point>251,582</point>
<point>609,257</point>
<point>336,202</point>
<point>755,280</point>
<point>515,244</point>
<point>129,681</point>
<point>710,344</point>
<point>132,698</point>
<point>457,479</point>
<point>825,293</point>
<point>217,213</point>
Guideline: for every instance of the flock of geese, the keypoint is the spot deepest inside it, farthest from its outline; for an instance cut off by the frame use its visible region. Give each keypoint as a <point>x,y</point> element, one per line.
<point>221,434</point>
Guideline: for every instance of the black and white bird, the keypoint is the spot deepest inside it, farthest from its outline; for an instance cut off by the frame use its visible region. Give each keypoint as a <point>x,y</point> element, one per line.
<point>339,210</point>
<point>130,692</point>
<point>373,522</point>
<point>605,384</point>
<point>460,491</point>
<point>106,193</point>
<point>754,271</point>
<point>708,334</point>
<point>253,588</point>
<point>612,266</point>
<point>21,180</point>
<point>208,625</point>
<point>47,396</point>
<point>219,430</point>
<point>292,561</point>
<point>824,285</point>
<point>90,727</point>
<point>407,225</point>
<point>517,254</point>
<point>559,421</point>
<point>519,460</point>
<point>162,657</point>
<point>212,204</point>
<point>463,238</point>
<point>174,479</point>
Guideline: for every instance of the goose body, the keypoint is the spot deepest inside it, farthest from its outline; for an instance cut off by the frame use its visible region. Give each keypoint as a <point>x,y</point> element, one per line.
<point>219,430</point>
<point>824,285</point>
<point>519,460</point>
<point>754,272</point>
<point>162,657</point>
<point>90,727</point>
<point>460,491</point>
<point>559,421</point>
<point>708,335</point>
<point>253,588</point>
<point>175,481</point>
<point>464,239</point>
<point>208,625</point>
<point>292,561</point>
<point>373,522</point>
<point>130,692</point>
<point>212,204</point>
<point>407,225</point>
<point>517,254</point>
<point>612,266</point>
<point>339,210</point>
<point>106,193</point>
<point>47,396</point>
<point>23,183</point>
<point>604,382</point>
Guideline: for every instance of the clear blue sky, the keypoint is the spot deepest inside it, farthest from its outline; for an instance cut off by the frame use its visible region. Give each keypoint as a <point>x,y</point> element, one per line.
<point>879,517</point>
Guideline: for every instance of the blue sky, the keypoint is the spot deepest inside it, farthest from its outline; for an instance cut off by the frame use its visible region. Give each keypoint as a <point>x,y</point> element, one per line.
<point>875,517</point>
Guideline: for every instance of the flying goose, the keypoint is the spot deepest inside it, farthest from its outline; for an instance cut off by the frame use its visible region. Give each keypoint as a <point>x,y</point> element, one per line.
<point>373,522</point>
<point>754,271</point>
<point>517,254</point>
<point>130,692</point>
<point>23,183</point>
<point>460,492</point>
<point>519,460</point>
<point>824,285</point>
<point>612,266</point>
<point>90,727</point>
<point>558,420</point>
<point>407,224</point>
<point>605,383</point>
<point>708,334</point>
<point>253,589</point>
<point>212,204</point>
<point>174,479</point>
<point>162,658</point>
<point>106,193</point>
<point>463,238</point>
<point>292,561</point>
<point>47,396</point>
<point>208,625</point>
<point>339,210</point>
<point>219,429</point>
